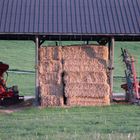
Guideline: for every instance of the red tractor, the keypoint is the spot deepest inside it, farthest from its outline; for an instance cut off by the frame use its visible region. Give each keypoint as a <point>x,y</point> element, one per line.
<point>8,95</point>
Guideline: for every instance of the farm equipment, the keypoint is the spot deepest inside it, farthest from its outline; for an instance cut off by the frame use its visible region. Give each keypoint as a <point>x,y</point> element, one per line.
<point>132,85</point>
<point>8,95</point>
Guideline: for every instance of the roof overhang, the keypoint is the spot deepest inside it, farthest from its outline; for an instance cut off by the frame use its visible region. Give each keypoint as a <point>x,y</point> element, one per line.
<point>69,37</point>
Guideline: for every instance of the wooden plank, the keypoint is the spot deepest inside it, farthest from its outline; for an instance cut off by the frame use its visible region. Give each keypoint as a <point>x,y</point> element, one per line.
<point>111,64</point>
<point>37,45</point>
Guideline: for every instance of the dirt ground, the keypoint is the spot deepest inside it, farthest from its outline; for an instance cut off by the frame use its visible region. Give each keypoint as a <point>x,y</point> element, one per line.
<point>27,103</point>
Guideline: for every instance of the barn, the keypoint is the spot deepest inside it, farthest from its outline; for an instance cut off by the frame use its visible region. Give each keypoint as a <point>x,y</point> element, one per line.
<point>103,21</point>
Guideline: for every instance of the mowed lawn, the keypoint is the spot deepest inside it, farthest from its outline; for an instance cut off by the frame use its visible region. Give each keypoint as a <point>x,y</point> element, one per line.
<point>116,122</point>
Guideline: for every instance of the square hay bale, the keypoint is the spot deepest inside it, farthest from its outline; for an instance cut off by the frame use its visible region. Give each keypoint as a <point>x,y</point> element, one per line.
<point>51,89</point>
<point>50,53</point>
<point>85,52</point>
<point>85,77</point>
<point>80,101</point>
<point>50,66</point>
<point>50,78</point>
<point>85,65</point>
<point>87,90</point>
<point>51,100</point>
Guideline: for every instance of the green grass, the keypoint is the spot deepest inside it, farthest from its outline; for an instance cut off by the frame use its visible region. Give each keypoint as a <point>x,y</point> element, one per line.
<point>117,85</point>
<point>18,54</point>
<point>25,82</point>
<point>134,49</point>
<point>78,123</point>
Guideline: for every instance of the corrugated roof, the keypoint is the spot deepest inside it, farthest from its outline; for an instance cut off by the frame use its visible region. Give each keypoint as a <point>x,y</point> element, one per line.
<point>70,17</point>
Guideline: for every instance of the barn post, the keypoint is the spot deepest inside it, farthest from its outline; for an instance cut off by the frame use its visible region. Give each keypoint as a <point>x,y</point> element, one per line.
<point>111,64</point>
<point>37,44</point>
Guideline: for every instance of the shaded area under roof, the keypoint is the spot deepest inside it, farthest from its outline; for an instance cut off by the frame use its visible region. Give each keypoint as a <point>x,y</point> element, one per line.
<point>70,19</point>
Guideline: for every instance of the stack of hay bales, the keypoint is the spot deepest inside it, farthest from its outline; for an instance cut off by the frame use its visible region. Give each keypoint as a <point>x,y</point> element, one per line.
<point>85,75</point>
<point>50,79</point>
<point>74,74</point>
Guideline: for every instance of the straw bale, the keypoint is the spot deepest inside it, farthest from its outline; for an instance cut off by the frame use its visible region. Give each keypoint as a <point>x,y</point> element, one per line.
<point>86,90</point>
<point>51,89</point>
<point>85,52</point>
<point>101,52</point>
<point>50,66</point>
<point>85,65</point>
<point>50,78</point>
<point>51,100</point>
<point>80,101</point>
<point>41,68</point>
<point>85,77</point>
<point>50,53</point>
<point>89,99</point>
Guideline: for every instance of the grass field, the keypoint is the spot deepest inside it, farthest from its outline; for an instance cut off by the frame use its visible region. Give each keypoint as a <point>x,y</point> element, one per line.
<point>133,48</point>
<point>25,82</point>
<point>116,122</point>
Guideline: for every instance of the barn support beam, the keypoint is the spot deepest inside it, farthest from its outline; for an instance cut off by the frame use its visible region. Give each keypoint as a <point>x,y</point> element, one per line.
<point>111,45</point>
<point>37,94</point>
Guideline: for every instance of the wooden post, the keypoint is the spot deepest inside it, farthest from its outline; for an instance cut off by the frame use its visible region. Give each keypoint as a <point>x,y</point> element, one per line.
<point>37,43</point>
<point>111,64</point>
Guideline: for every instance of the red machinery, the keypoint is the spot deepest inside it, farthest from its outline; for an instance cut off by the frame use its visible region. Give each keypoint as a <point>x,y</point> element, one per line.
<point>132,86</point>
<point>9,95</point>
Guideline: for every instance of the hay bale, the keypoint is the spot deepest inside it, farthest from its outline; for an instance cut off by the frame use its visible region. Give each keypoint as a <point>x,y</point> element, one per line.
<point>87,90</point>
<point>85,77</point>
<point>51,100</point>
<point>51,89</point>
<point>50,78</point>
<point>85,65</point>
<point>80,101</point>
<point>85,52</point>
<point>50,66</point>
<point>50,53</point>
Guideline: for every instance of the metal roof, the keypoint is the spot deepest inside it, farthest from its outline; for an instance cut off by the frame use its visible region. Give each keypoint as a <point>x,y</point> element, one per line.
<point>70,17</point>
